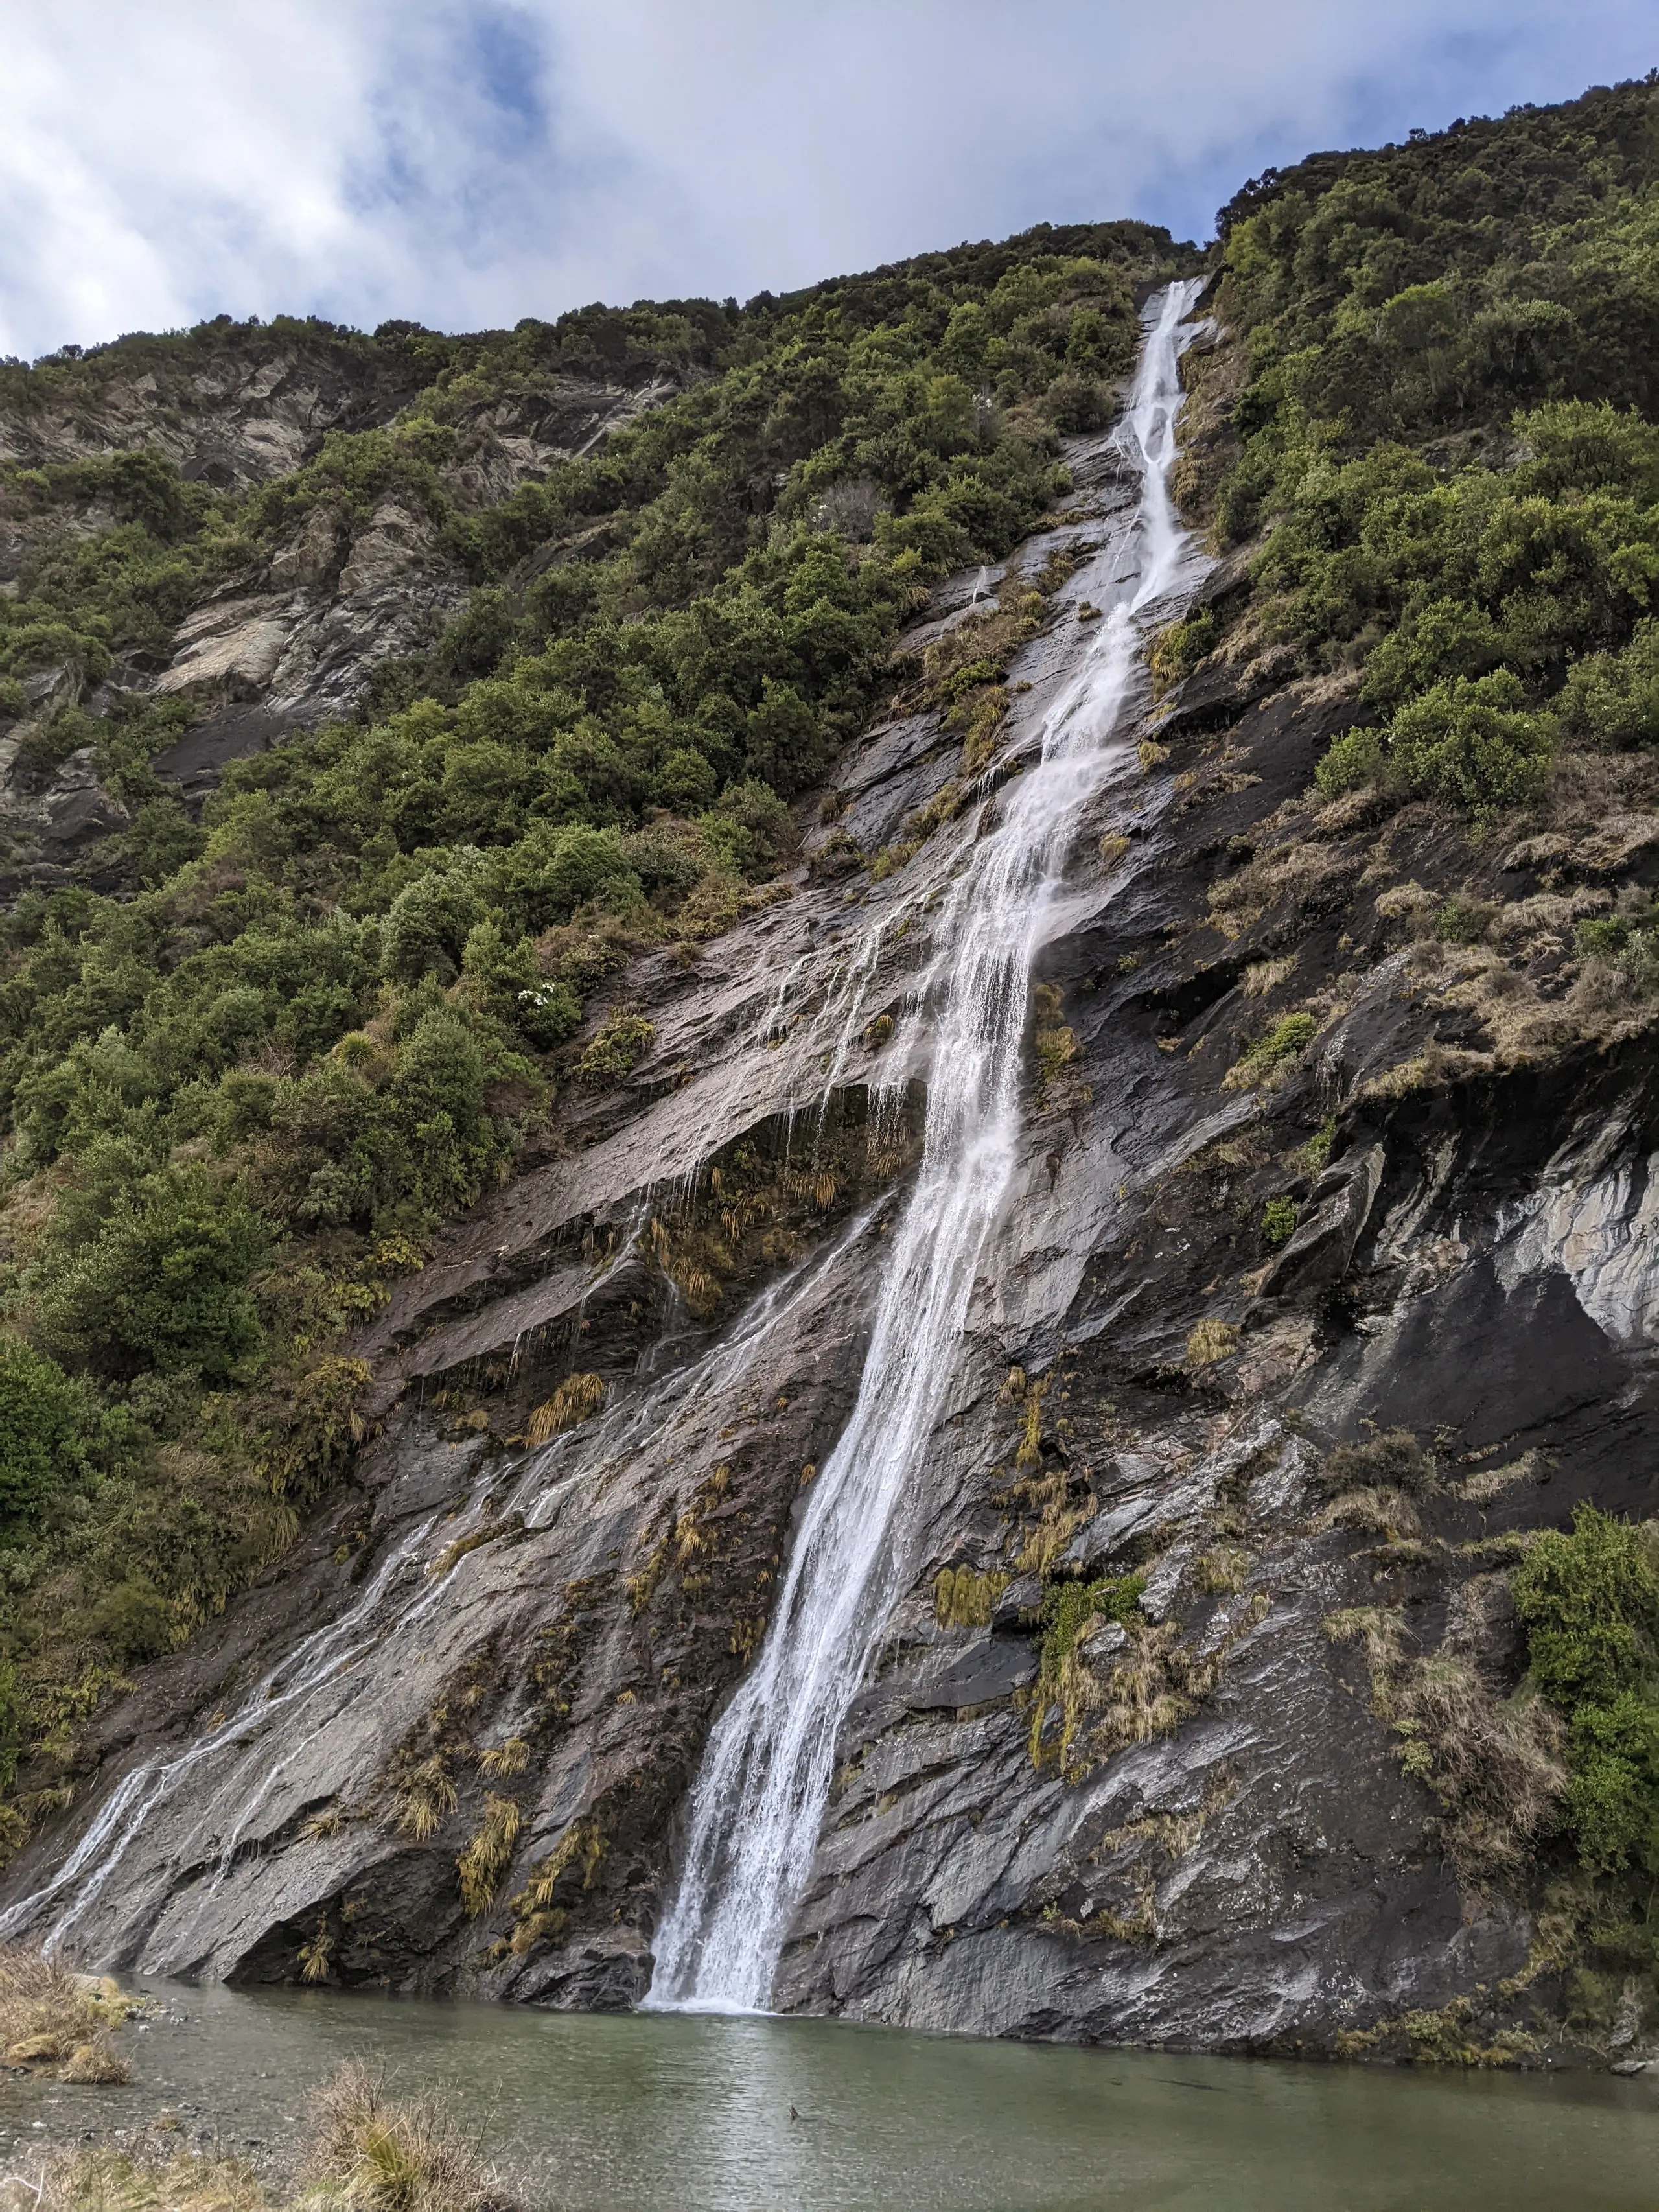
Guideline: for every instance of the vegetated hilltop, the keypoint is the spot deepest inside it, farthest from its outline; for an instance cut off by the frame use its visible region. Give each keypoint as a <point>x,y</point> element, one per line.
<point>1303,1528</point>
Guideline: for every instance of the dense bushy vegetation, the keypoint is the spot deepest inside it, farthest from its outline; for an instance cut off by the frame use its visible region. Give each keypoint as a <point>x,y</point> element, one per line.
<point>1589,1599</point>
<point>1433,444</point>
<point>238,1097</point>
<point>1447,431</point>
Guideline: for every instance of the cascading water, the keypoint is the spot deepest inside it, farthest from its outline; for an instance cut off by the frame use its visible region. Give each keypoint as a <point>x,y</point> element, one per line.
<point>194,1848</point>
<point>759,1800</point>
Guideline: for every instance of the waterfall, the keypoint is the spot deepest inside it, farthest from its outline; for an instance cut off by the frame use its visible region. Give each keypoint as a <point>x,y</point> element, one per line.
<point>758,1803</point>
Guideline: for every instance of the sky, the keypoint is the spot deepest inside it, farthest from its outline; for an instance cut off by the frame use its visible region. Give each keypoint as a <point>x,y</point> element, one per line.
<point>467,162</point>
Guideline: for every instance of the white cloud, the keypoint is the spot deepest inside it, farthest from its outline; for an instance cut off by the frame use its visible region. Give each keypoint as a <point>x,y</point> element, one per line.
<point>472,160</point>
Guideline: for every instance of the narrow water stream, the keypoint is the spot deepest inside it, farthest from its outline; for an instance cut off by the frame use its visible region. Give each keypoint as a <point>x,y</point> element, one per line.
<point>759,1799</point>
<point>688,2113</point>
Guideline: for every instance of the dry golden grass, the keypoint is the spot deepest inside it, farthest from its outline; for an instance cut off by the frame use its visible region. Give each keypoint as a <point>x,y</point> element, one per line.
<point>427,1798</point>
<point>384,2156</point>
<point>1493,1762</point>
<point>1374,1512</point>
<point>1264,975</point>
<point>576,1397</point>
<point>154,2176</point>
<point>488,1857</point>
<point>1210,1340</point>
<point>369,2153</point>
<point>96,2062</point>
<point>963,1599</point>
<point>51,2016</point>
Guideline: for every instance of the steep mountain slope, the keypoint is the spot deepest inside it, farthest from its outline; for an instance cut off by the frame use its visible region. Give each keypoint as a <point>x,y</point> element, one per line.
<point>1278,1668</point>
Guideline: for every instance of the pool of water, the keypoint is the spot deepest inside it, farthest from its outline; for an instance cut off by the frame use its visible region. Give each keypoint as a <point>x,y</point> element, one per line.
<point>667,2113</point>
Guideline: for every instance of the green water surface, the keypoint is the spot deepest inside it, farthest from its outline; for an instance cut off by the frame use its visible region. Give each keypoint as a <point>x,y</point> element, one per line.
<point>655,2113</point>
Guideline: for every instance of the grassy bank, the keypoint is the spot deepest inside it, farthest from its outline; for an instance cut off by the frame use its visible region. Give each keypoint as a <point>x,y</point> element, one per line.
<point>369,2150</point>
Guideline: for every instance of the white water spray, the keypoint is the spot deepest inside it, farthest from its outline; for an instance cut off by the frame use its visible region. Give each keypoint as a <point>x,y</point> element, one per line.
<point>759,1800</point>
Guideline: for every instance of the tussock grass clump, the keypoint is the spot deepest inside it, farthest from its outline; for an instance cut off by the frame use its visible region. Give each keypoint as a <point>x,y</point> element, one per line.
<point>427,1798</point>
<point>1027,1393</point>
<point>488,1857</point>
<point>1264,975</point>
<point>1178,650</point>
<point>1265,1062</point>
<point>1450,2037</point>
<point>1377,1486</point>
<point>621,1041</point>
<point>964,1599</point>
<point>51,2016</point>
<point>576,1397</point>
<point>1391,1460</point>
<point>386,2156</point>
<point>1388,1513</point>
<point>540,1919</point>
<point>1071,1611</point>
<point>1494,1762</point>
<point>96,2064</point>
<point>1056,1047</point>
<point>1210,1340</point>
<point>150,2177</point>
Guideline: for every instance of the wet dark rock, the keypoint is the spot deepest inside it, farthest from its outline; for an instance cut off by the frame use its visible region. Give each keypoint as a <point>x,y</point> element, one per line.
<point>199,759</point>
<point>1318,1254</point>
<point>989,1673</point>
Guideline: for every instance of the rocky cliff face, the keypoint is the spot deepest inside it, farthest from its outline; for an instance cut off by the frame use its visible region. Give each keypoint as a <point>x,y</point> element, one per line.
<point>292,637</point>
<point>447,1747</point>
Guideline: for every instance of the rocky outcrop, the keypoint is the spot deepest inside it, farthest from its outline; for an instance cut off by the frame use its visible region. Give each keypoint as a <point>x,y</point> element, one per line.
<point>293,640</point>
<point>333,601</point>
<point>230,411</point>
<point>447,1744</point>
<point>506,440</point>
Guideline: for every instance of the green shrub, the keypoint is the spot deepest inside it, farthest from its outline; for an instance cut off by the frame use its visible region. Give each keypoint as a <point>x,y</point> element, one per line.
<point>1069,1608</point>
<point>427,926</point>
<point>1273,1052</point>
<point>163,1281</point>
<point>1079,403</point>
<point>1279,1220</point>
<point>1611,701</point>
<point>621,1040</point>
<point>43,1418</point>
<point>1590,1601</point>
<point>1487,572</point>
<point>782,746</point>
<point>1602,936</point>
<point>1472,740</point>
<point>1178,650</point>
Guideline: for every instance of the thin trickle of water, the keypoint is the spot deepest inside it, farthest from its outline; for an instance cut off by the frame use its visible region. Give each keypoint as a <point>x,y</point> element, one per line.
<point>759,1800</point>
<point>328,1651</point>
<point>234,1767</point>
